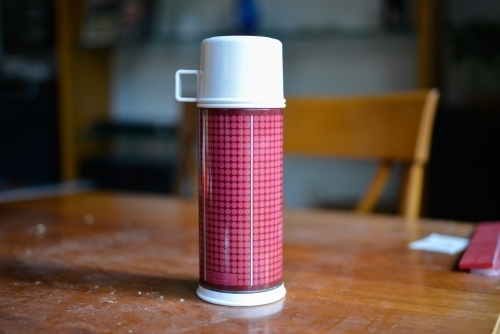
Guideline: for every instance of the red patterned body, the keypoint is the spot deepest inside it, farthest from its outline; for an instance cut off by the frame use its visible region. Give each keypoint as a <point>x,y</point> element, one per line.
<point>240,199</point>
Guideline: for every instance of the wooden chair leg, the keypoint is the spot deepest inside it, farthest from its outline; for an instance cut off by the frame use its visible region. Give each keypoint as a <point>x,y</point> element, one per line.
<point>412,192</point>
<point>372,194</point>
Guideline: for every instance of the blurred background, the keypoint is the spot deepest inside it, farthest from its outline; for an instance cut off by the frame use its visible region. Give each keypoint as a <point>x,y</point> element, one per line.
<point>87,90</point>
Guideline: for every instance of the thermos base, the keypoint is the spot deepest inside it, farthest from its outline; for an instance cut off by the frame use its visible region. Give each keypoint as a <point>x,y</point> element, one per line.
<point>241,299</point>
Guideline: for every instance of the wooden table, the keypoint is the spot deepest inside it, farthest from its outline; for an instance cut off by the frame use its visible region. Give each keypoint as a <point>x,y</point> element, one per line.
<point>101,263</point>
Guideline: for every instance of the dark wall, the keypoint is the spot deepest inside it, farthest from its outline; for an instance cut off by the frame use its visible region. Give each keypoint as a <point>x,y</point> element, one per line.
<point>28,101</point>
<point>465,165</point>
<point>28,132</point>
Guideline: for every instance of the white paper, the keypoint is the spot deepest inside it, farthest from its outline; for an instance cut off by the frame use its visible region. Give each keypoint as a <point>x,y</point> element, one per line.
<point>485,271</point>
<point>440,243</point>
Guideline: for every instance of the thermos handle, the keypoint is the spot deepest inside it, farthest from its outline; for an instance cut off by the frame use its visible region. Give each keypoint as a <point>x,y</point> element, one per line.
<point>178,85</point>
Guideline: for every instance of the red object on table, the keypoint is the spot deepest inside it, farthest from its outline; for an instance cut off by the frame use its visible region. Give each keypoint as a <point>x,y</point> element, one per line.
<point>484,248</point>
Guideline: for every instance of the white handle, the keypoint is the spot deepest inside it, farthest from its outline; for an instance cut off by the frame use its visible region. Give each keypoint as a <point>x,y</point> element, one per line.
<point>178,86</point>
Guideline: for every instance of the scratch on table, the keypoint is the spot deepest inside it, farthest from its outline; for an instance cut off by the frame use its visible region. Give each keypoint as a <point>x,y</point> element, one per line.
<point>350,324</point>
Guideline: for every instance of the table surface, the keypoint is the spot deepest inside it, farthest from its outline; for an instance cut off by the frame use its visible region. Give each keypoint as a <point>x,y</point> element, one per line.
<point>102,262</point>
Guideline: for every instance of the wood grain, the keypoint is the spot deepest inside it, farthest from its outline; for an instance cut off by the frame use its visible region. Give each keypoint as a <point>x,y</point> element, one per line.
<point>102,263</point>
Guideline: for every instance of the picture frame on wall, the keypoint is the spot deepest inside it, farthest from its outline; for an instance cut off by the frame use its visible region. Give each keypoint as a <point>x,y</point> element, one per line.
<point>112,22</point>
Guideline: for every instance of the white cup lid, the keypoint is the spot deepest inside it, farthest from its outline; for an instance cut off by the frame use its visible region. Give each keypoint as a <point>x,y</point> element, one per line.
<point>239,72</point>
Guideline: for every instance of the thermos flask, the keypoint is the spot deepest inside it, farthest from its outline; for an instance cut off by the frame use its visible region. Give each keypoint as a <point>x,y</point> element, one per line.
<point>240,101</point>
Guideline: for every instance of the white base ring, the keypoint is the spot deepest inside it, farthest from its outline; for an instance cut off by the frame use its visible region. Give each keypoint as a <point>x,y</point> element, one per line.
<point>241,299</point>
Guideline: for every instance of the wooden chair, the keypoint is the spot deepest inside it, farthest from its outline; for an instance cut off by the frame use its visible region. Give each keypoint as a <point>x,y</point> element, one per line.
<point>186,183</point>
<point>389,128</point>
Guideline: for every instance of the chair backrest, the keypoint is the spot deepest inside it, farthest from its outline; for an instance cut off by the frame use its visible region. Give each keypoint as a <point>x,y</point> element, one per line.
<point>388,127</point>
